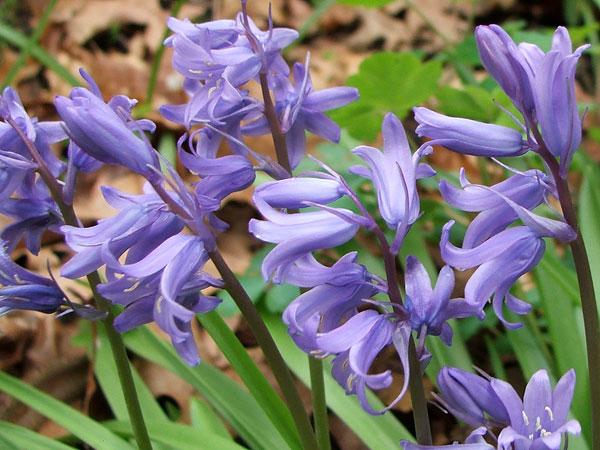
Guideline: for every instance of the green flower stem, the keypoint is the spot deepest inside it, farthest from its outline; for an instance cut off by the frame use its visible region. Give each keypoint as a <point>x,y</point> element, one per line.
<point>586,288</point>
<point>270,350</point>
<point>116,342</point>
<point>320,416</point>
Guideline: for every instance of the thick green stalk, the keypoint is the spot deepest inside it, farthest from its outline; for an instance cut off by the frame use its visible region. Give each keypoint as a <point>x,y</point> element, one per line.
<point>119,353</point>
<point>320,417</point>
<point>586,287</point>
<point>270,350</point>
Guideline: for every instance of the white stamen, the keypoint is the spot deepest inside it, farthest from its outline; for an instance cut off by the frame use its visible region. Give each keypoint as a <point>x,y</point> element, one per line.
<point>550,413</point>
<point>525,418</point>
<point>538,424</point>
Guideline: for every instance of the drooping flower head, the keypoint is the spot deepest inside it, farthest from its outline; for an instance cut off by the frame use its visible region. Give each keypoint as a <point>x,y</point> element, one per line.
<point>106,131</point>
<point>394,174</point>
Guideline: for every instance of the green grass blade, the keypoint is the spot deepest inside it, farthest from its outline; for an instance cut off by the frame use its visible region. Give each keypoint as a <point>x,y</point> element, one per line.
<point>204,418</point>
<point>230,400</point>
<point>22,438</point>
<point>39,29</point>
<point>252,377</point>
<point>177,435</point>
<point>375,431</point>
<point>80,425</point>
<point>20,40</point>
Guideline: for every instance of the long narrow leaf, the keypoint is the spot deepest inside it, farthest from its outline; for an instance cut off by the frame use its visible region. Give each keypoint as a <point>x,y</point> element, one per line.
<point>107,375</point>
<point>17,38</point>
<point>589,211</point>
<point>375,431</point>
<point>176,435</point>
<point>80,425</point>
<point>569,349</point>
<point>252,377</point>
<point>22,437</point>
<point>204,418</point>
<point>234,403</point>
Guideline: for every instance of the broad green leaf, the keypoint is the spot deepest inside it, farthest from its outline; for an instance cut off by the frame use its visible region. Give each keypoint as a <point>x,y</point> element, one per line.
<point>377,432</point>
<point>178,436</point>
<point>21,438</point>
<point>387,82</point>
<point>80,425</point>
<point>203,417</point>
<point>230,400</point>
<point>470,102</point>
<point>252,377</point>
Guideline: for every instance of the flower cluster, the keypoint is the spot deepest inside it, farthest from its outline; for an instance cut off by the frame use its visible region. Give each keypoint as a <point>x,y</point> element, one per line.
<point>536,422</point>
<point>535,83</point>
<point>336,315</point>
<point>219,58</point>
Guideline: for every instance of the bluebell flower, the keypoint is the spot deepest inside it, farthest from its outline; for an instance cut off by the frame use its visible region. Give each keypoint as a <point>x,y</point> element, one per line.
<point>144,221</point>
<point>394,174</point>
<point>163,287</point>
<point>502,259</point>
<point>220,176</point>
<point>106,132</point>
<point>554,94</point>
<point>540,419</point>
<point>301,109</point>
<point>535,423</point>
<point>299,234</point>
<point>528,189</point>
<point>507,64</point>
<point>33,216</point>
<point>541,86</point>
<point>469,136</point>
<point>324,307</point>
<point>218,104</point>
<point>24,290</point>
<point>470,398</point>
<point>16,164</point>
<point>430,309</point>
<point>356,344</point>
